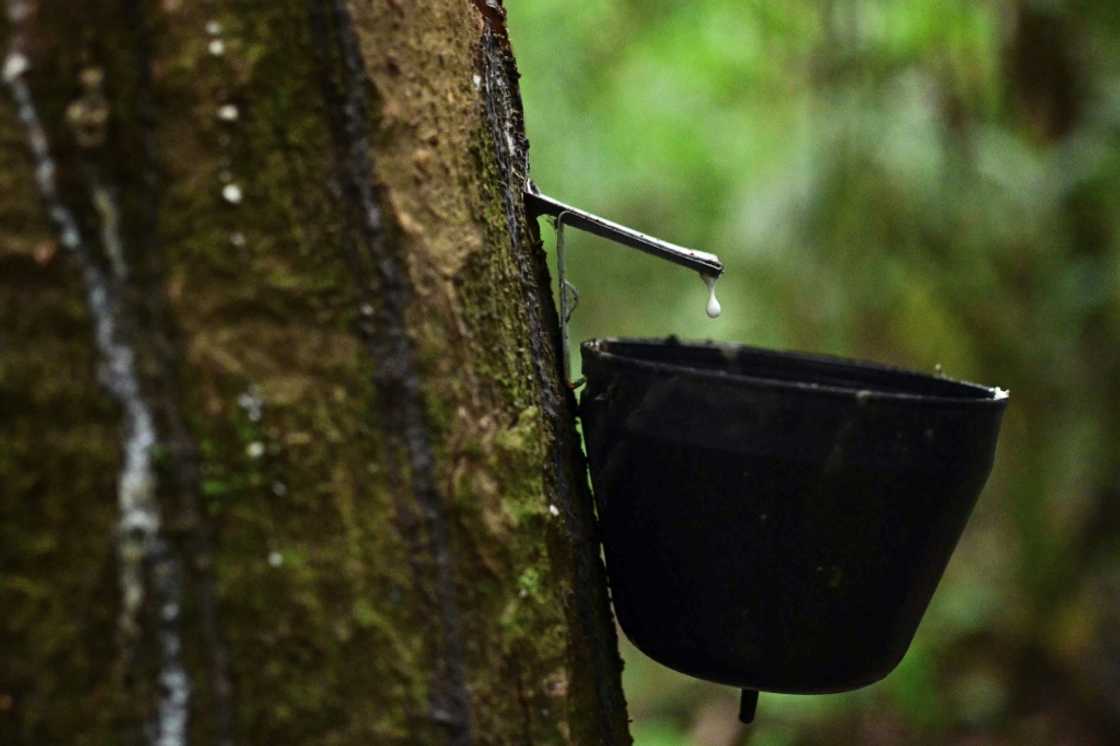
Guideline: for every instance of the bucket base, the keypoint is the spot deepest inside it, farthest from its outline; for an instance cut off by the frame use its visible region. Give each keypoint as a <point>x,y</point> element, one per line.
<point>748,704</point>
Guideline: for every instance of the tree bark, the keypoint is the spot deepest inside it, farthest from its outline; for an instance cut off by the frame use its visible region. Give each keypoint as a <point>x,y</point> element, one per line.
<point>285,453</point>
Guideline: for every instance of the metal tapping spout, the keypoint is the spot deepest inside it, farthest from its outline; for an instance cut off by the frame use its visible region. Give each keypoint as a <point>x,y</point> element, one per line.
<point>707,265</point>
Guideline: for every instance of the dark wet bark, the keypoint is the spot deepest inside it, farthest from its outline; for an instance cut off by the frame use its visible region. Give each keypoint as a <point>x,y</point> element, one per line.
<point>285,453</point>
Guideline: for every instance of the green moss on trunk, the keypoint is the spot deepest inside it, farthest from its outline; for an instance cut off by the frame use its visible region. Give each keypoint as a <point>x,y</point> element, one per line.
<point>365,460</point>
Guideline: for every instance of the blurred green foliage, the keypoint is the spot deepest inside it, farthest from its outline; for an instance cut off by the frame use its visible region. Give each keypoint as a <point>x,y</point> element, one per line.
<point>926,183</point>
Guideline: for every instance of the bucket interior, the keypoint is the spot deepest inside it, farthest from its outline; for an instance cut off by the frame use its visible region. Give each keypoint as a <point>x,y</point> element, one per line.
<point>794,368</point>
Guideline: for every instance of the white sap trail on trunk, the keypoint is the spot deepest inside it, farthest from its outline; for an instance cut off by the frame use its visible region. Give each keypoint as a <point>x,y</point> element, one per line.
<point>139,538</point>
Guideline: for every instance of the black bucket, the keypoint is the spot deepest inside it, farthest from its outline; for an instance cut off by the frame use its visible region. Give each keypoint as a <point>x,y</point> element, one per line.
<point>778,521</point>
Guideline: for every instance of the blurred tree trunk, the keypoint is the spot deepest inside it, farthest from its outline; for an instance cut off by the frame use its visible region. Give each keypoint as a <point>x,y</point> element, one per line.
<point>285,456</point>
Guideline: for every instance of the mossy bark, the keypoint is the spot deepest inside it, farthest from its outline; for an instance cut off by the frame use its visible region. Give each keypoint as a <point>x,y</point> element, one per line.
<point>285,455</point>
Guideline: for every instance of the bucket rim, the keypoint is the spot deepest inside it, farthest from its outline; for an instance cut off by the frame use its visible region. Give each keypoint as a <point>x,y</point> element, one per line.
<point>992,397</point>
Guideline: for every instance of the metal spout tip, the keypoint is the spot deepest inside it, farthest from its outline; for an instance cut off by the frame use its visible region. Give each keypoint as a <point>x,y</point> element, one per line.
<point>748,705</point>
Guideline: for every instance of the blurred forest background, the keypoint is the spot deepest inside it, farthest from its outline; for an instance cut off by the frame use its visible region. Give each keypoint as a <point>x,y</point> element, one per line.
<point>926,183</point>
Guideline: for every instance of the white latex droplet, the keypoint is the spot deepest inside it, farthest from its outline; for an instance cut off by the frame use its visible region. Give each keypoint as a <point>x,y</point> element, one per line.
<point>714,309</point>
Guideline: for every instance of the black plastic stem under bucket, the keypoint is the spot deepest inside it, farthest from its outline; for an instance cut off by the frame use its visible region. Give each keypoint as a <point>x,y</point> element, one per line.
<point>778,521</point>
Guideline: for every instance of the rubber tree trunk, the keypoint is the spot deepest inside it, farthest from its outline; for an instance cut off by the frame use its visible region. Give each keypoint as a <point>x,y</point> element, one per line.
<point>285,456</point>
